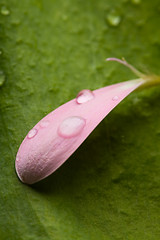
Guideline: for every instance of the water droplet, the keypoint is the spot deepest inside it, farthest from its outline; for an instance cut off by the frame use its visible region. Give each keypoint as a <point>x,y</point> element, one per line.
<point>115,98</point>
<point>0,52</point>
<point>4,11</point>
<point>44,123</point>
<point>71,127</point>
<point>113,19</point>
<point>2,78</point>
<point>136,2</point>
<point>32,133</point>
<point>84,96</point>
<point>17,159</point>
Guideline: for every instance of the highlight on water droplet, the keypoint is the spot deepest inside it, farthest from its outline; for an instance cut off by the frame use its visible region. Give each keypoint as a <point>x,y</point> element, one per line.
<point>115,98</point>
<point>32,133</point>
<point>5,11</point>
<point>84,96</point>
<point>2,78</point>
<point>71,126</point>
<point>113,19</point>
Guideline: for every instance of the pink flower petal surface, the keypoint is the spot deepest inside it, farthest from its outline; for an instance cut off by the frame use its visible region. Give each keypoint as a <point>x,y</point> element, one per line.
<point>54,138</point>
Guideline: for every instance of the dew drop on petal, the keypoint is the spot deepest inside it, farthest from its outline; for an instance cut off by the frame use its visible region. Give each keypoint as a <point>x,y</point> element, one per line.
<point>17,159</point>
<point>44,123</point>
<point>84,96</point>
<point>71,127</point>
<point>32,133</point>
<point>115,98</point>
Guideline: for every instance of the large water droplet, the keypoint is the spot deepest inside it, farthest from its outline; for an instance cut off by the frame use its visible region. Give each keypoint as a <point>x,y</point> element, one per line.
<point>32,133</point>
<point>71,127</point>
<point>5,11</point>
<point>113,19</point>
<point>2,78</point>
<point>84,96</point>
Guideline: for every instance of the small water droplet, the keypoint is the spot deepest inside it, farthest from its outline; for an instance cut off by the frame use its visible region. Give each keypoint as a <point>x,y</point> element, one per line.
<point>5,11</point>
<point>0,52</point>
<point>71,127</point>
<point>115,98</point>
<point>17,159</point>
<point>32,133</point>
<point>113,19</point>
<point>84,96</point>
<point>136,2</point>
<point>2,78</point>
<point>44,123</point>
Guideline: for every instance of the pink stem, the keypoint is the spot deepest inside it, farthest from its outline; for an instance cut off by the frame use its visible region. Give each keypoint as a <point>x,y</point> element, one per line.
<point>124,62</point>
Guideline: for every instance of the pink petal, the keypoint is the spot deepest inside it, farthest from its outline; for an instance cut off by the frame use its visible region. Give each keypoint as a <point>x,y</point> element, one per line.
<point>53,139</point>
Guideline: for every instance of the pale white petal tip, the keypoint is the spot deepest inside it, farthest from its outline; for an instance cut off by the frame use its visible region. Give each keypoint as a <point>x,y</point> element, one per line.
<point>17,171</point>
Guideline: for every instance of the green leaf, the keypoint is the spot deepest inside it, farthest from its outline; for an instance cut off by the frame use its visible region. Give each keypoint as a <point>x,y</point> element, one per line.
<point>50,50</point>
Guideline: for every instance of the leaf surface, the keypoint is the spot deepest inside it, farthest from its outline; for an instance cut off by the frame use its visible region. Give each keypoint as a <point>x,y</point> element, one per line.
<point>110,187</point>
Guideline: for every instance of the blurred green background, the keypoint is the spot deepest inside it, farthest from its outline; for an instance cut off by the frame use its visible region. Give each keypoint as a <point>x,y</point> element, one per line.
<point>109,189</point>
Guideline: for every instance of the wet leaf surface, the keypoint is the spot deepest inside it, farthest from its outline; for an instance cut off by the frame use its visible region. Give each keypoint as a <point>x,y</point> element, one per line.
<point>110,187</point>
